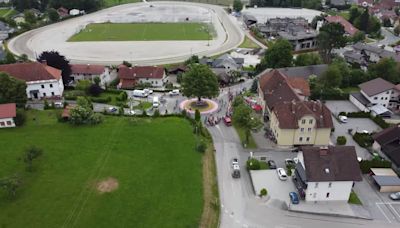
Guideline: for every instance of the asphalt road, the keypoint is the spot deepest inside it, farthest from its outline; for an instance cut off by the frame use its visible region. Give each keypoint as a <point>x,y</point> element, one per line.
<point>53,37</point>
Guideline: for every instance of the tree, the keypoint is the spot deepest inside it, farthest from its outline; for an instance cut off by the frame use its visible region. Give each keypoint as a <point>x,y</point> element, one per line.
<point>12,90</point>
<point>386,68</point>
<point>263,192</point>
<point>342,66</point>
<point>354,14</point>
<point>54,59</point>
<point>94,90</point>
<point>237,5</point>
<point>331,36</point>
<point>30,17</point>
<point>97,80</point>
<point>254,86</point>
<point>126,63</point>
<point>200,82</point>
<point>363,21</point>
<point>332,78</point>
<point>278,55</point>
<point>358,37</point>
<point>83,113</point>
<point>357,76</point>
<point>53,15</point>
<point>9,59</point>
<point>192,60</point>
<point>341,140</point>
<point>307,59</point>
<point>83,85</point>
<point>244,118</point>
<point>31,154</point>
<point>197,115</point>
<point>21,5</point>
<point>253,164</point>
<point>387,22</point>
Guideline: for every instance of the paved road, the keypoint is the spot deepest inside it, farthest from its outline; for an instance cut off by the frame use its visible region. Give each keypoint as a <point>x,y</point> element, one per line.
<point>53,37</point>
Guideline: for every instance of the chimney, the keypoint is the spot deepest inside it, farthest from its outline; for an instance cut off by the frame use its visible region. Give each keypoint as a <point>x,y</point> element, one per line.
<point>323,151</point>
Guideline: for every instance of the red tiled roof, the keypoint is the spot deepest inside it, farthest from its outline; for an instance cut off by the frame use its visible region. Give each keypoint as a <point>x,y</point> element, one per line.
<point>348,27</point>
<point>301,84</point>
<point>125,72</point>
<point>87,69</point>
<point>31,71</point>
<point>8,110</point>
<point>127,83</point>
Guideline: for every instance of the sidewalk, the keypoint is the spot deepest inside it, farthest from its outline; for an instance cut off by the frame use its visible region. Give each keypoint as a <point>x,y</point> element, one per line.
<point>339,209</point>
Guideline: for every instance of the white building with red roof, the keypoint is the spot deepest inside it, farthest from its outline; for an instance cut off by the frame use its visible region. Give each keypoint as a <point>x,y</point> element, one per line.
<point>130,76</point>
<point>90,72</point>
<point>42,81</point>
<point>7,114</point>
<point>348,27</point>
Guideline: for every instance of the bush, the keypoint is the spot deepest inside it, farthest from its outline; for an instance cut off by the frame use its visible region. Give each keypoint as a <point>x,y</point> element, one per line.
<point>253,164</point>
<point>201,147</point>
<point>95,90</point>
<point>123,96</point>
<point>113,91</point>
<point>263,192</point>
<point>366,165</point>
<point>156,113</point>
<point>46,105</point>
<point>380,121</point>
<point>83,85</point>
<point>358,115</point>
<point>20,117</point>
<point>101,99</point>
<point>363,139</point>
<point>341,140</point>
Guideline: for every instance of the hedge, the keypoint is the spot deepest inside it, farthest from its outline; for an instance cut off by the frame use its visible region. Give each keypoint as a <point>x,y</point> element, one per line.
<point>100,99</point>
<point>366,165</point>
<point>377,119</point>
<point>363,139</point>
<point>380,121</point>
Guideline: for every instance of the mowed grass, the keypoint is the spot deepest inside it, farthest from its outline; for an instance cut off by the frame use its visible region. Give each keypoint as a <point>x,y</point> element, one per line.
<point>154,161</point>
<point>142,32</point>
<point>7,12</point>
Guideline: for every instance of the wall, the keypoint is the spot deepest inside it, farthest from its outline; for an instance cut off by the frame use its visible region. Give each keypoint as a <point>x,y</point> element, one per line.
<point>381,98</point>
<point>338,191</point>
<point>4,120</point>
<point>358,104</point>
<point>57,88</point>
<point>155,82</point>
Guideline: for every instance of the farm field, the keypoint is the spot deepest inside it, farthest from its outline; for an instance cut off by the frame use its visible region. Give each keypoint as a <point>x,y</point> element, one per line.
<point>143,32</point>
<point>150,167</point>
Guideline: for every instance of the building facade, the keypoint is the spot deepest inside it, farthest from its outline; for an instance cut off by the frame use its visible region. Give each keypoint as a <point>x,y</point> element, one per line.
<point>90,72</point>
<point>7,114</point>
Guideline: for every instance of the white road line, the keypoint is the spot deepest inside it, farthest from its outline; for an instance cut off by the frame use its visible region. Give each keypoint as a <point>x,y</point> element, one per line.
<point>387,218</point>
<point>395,211</point>
<point>384,203</point>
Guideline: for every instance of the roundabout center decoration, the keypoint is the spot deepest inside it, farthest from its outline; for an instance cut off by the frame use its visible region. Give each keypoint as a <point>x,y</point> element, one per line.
<point>208,106</point>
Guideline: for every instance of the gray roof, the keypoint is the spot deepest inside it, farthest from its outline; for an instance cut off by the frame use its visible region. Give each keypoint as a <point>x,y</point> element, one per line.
<point>338,2</point>
<point>354,57</point>
<point>297,35</point>
<point>377,50</point>
<point>304,71</point>
<point>387,180</point>
<point>376,86</point>
<point>227,58</point>
<point>358,96</point>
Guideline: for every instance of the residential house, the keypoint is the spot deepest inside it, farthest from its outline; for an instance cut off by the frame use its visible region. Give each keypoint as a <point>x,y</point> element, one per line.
<point>377,96</point>
<point>5,30</point>
<point>373,54</point>
<point>304,71</point>
<point>42,81</point>
<point>225,61</point>
<point>292,119</point>
<point>327,173</point>
<point>249,20</point>
<point>388,142</point>
<point>62,12</point>
<point>130,76</point>
<point>7,114</point>
<point>295,30</point>
<point>90,72</point>
<point>349,29</point>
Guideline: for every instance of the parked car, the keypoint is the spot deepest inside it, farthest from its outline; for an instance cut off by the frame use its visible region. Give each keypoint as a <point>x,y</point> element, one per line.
<point>343,119</point>
<point>291,162</point>
<point>235,161</point>
<point>148,91</point>
<point>395,196</point>
<point>132,112</point>
<point>281,174</point>
<point>139,93</point>
<point>294,199</point>
<point>227,121</point>
<point>236,171</point>
<point>58,104</point>
<point>174,92</point>
<point>271,164</point>
<point>112,109</point>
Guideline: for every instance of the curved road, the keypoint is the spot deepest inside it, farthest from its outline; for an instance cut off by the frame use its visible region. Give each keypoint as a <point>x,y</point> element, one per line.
<point>53,37</point>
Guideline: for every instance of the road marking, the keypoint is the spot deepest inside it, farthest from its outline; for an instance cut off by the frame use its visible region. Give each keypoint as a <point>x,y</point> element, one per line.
<point>395,211</point>
<point>387,218</point>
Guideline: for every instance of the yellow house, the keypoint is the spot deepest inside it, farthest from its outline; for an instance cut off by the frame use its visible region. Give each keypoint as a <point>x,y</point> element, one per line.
<point>292,119</point>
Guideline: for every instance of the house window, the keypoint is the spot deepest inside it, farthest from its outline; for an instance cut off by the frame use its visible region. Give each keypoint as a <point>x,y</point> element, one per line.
<point>384,105</point>
<point>301,139</point>
<point>330,185</point>
<point>309,129</point>
<point>327,195</point>
<point>316,185</point>
<point>310,121</point>
<point>375,98</point>
<point>303,121</point>
<point>52,93</point>
<point>308,139</point>
<point>42,86</point>
<point>381,98</point>
<point>44,94</point>
<point>2,124</point>
<point>51,85</point>
<point>387,92</point>
<point>386,98</point>
<point>302,129</point>
<point>8,122</point>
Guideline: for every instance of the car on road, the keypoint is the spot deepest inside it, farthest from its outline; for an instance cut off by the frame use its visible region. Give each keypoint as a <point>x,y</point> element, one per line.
<point>395,196</point>
<point>281,174</point>
<point>343,119</point>
<point>148,91</point>
<point>234,162</point>
<point>291,162</point>
<point>227,121</point>
<point>294,198</point>
<point>112,109</point>
<point>271,164</point>
<point>174,92</point>
<point>236,171</point>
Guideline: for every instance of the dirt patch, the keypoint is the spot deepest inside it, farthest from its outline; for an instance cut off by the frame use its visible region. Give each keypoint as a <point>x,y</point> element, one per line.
<point>109,184</point>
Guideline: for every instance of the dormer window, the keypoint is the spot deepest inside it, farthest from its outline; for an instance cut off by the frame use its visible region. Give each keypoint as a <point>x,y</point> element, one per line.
<point>310,121</point>
<point>303,121</point>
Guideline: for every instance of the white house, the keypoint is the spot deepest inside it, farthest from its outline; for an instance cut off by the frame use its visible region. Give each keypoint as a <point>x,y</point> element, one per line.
<point>377,96</point>
<point>130,76</point>
<point>7,114</point>
<point>90,72</point>
<point>327,173</point>
<point>42,81</point>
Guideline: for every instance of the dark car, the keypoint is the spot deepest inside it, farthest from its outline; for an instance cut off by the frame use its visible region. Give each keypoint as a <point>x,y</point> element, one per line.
<point>294,199</point>
<point>271,164</point>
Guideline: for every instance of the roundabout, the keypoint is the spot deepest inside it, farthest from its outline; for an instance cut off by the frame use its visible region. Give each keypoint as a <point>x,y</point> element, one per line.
<point>206,106</point>
<point>224,34</point>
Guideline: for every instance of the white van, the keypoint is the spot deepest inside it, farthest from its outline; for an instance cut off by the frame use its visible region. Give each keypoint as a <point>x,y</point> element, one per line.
<point>156,102</point>
<point>139,93</point>
<point>174,92</point>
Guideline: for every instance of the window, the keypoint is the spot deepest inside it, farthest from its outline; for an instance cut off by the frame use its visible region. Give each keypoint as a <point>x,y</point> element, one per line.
<point>42,86</point>
<point>387,92</point>
<point>2,124</point>
<point>51,85</point>
<point>316,185</point>
<point>52,93</point>
<point>44,94</point>
<point>330,185</point>
<point>381,98</point>
<point>303,121</point>
<point>384,105</point>
<point>309,129</point>
<point>301,139</point>
<point>8,122</point>
<point>375,98</point>
<point>386,98</point>
<point>308,139</point>
<point>327,195</point>
<point>310,121</point>
<point>302,129</point>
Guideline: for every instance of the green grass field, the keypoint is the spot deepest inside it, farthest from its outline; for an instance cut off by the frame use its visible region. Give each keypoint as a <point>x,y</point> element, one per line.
<point>7,12</point>
<point>142,32</point>
<point>154,161</point>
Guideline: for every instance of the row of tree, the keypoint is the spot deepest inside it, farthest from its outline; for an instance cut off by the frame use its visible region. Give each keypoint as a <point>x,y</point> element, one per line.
<point>310,4</point>
<point>87,5</point>
<point>365,22</point>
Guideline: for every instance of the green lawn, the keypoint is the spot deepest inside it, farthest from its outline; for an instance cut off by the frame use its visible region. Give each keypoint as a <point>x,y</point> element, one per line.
<point>247,43</point>
<point>154,161</point>
<point>252,144</point>
<point>7,12</point>
<point>353,199</point>
<point>143,32</point>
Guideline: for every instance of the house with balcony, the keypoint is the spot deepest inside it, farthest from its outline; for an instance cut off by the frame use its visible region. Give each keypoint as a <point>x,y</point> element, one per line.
<point>326,173</point>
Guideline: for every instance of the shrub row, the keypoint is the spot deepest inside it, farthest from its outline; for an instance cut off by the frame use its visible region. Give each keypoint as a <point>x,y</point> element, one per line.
<point>366,165</point>
<point>363,139</point>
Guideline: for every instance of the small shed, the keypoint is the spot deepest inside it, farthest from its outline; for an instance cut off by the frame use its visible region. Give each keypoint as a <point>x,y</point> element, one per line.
<point>383,172</point>
<point>387,183</point>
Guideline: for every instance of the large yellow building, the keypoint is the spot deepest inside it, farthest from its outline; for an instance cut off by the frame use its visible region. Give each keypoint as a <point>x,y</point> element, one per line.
<point>292,119</point>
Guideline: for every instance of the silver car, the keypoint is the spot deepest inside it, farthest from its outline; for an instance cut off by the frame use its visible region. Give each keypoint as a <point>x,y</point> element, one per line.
<point>395,196</point>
